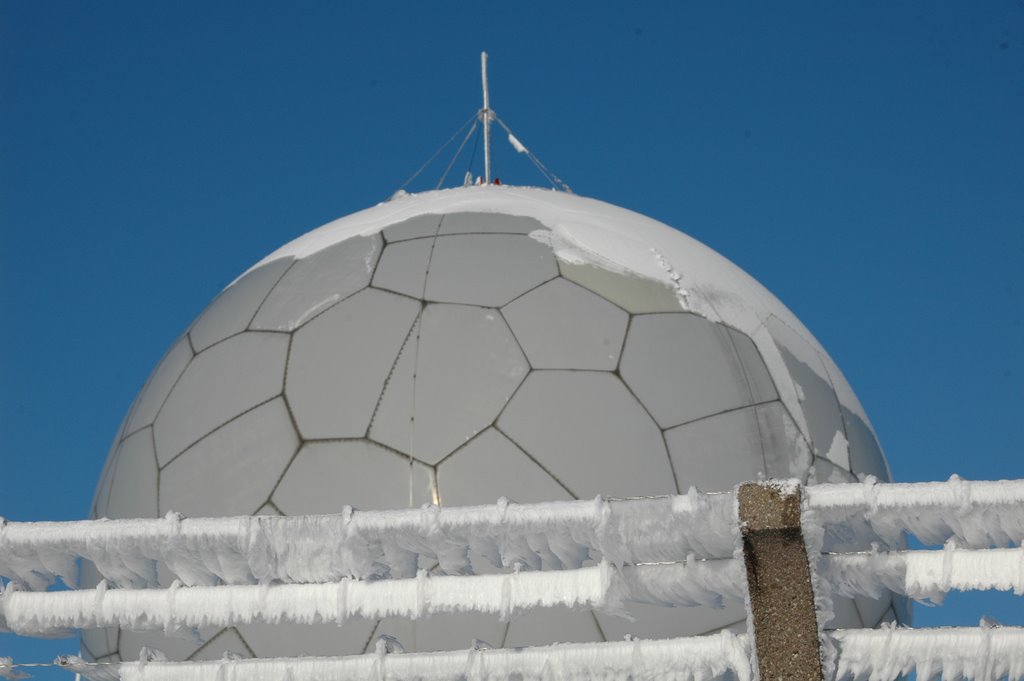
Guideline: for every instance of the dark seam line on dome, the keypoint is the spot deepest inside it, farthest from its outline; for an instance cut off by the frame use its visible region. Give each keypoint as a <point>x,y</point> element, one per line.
<point>597,623</point>
<point>461,447</point>
<point>839,409</point>
<point>719,413</point>
<point>81,642</point>
<point>539,464</point>
<point>657,426</point>
<point>391,372</point>
<point>796,425</point>
<point>266,296</point>
<point>750,392</point>
<point>760,356</point>
<point>162,402</point>
<point>385,447</point>
<point>515,391</point>
<point>393,292</point>
<point>270,290</point>
<point>815,459</point>
<point>244,642</point>
<point>522,350</point>
<point>117,640</point>
<point>106,658</point>
<point>205,645</point>
<point>270,502</point>
<point>372,636</point>
<point>529,291</point>
<point>191,345</point>
<point>156,462</point>
<point>716,630</point>
<point>284,471</point>
<point>622,350</point>
<point>504,634</point>
<point>229,421</point>
<point>860,615</point>
<point>453,234</point>
<point>320,313</point>
<point>287,364</point>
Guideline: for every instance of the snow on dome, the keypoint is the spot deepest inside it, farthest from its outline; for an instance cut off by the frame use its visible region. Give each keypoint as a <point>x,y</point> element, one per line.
<point>459,346</point>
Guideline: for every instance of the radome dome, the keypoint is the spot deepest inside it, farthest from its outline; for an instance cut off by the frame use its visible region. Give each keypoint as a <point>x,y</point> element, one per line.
<point>459,346</point>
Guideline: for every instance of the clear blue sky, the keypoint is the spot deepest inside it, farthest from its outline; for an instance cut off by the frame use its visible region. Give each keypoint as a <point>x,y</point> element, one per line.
<point>865,161</point>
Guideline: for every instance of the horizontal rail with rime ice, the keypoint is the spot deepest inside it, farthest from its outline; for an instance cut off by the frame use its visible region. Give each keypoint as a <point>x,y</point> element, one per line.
<point>553,535</point>
<point>371,544</point>
<point>981,654</point>
<point>601,587</point>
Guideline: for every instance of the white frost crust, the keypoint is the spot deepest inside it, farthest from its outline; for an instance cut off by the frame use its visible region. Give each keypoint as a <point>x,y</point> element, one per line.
<point>926,575</point>
<point>979,514</point>
<point>599,232</point>
<point>372,544</point>
<point>601,587</point>
<point>702,658</point>
<point>980,654</point>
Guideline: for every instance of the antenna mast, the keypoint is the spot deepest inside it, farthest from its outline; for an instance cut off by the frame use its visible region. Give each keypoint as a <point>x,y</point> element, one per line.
<point>485,114</point>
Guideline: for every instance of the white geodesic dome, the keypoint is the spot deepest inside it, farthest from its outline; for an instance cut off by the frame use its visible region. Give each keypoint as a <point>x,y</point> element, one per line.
<point>460,346</point>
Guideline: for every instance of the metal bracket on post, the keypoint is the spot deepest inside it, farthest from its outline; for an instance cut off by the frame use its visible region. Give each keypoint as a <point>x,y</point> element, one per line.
<point>785,622</point>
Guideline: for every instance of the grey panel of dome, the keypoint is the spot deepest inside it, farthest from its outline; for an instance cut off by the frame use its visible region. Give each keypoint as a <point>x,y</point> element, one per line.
<point>159,385</point>
<point>762,389</point>
<point>542,627</point>
<point>631,293</point>
<point>653,621</point>
<point>715,453</point>
<point>563,326</point>
<point>226,642</point>
<point>683,367</point>
<point>315,283</point>
<point>570,421</point>
<point>234,308</point>
<point>219,384</point>
<point>442,632</point>
<point>489,467</point>
<point>102,500</point>
<point>204,478</point>
<point>327,476</point>
<point>468,223</point>
<point>817,398</point>
<point>403,267</point>
<point>824,470</point>
<point>844,614</point>
<point>466,366</point>
<point>291,640</point>
<point>873,610</point>
<point>413,228</point>
<point>865,453</point>
<point>131,642</point>
<point>339,362</point>
<point>133,494</point>
<point>786,452</point>
<point>487,269</point>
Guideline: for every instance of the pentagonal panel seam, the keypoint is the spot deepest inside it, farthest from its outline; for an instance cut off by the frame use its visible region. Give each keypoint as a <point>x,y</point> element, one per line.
<point>661,431</point>
<point>415,328</point>
<point>145,386</point>
<point>288,269</point>
<point>534,459</point>
<point>220,426</point>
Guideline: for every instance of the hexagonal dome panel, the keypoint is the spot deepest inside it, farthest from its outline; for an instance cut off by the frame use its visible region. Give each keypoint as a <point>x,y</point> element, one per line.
<point>315,283</point>
<point>452,379</point>
<point>254,447</point>
<point>327,476</point>
<point>340,361</point>
<point>218,385</point>
<point>590,433</point>
<point>564,326</point>
<point>487,269</point>
<point>683,367</point>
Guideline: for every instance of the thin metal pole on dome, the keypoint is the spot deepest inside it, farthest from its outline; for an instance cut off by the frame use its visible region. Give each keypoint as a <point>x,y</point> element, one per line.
<point>485,113</point>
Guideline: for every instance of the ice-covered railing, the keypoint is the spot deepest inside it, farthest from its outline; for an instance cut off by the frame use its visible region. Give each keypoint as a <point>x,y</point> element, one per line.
<point>879,655</point>
<point>556,535</point>
<point>672,551</point>
<point>370,544</point>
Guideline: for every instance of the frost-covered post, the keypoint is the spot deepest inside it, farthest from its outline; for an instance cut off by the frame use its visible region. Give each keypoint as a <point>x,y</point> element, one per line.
<point>779,581</point>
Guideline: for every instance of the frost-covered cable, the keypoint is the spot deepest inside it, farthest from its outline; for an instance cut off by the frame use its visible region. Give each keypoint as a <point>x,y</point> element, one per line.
<point>979,514</point>
<point>980,654</point>
<point>925,575</point>
<point>699,658</point>
<point>370,544</point>
<point>603,587</point>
